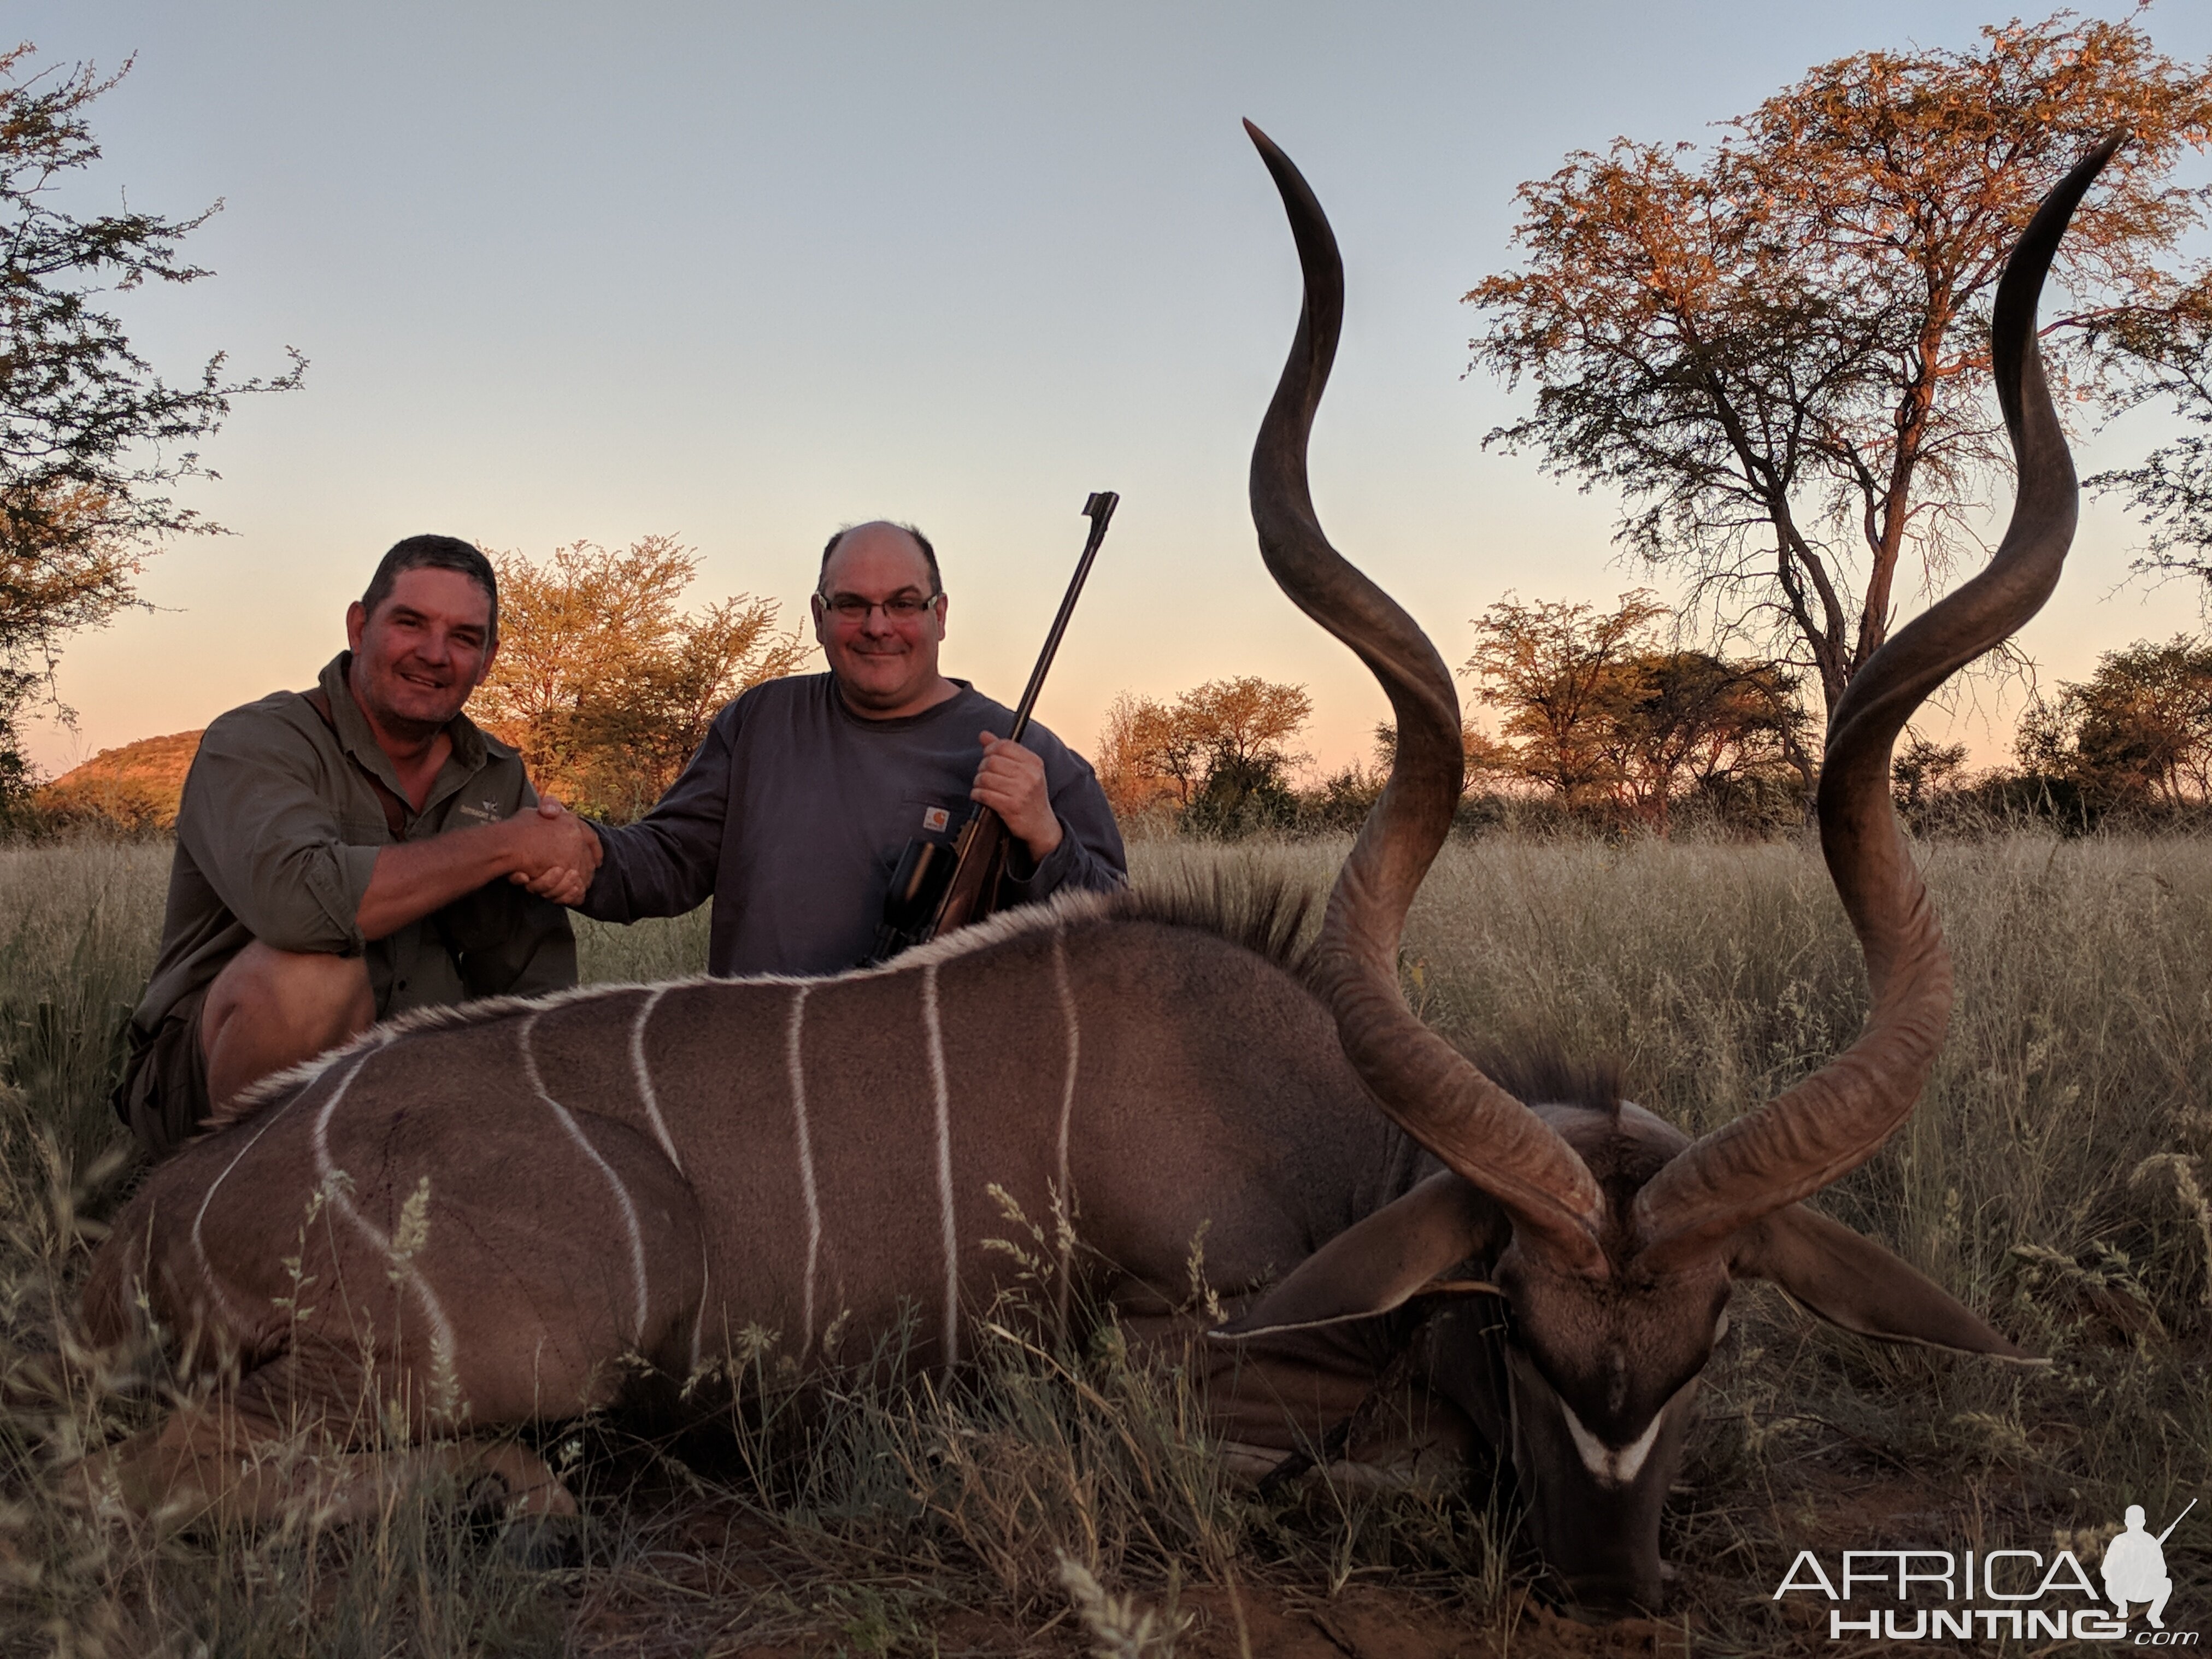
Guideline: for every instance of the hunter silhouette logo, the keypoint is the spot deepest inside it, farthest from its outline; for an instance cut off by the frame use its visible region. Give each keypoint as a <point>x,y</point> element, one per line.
<point>2135,1566</point>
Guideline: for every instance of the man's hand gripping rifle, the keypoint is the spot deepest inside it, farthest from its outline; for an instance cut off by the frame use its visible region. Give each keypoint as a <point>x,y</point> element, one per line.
<point>935,887</point>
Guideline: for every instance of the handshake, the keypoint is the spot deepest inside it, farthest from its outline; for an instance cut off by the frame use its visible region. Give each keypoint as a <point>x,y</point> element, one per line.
<point>552,852</point>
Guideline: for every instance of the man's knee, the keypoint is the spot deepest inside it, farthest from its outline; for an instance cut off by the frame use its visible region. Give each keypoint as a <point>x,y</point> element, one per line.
<point>320,998</point>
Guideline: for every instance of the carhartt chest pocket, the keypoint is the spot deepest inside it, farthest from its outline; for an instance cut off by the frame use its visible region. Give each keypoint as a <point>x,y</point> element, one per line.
<point>929,817</point>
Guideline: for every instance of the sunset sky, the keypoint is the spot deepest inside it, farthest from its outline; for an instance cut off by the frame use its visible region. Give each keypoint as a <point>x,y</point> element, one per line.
<point>742,274</point>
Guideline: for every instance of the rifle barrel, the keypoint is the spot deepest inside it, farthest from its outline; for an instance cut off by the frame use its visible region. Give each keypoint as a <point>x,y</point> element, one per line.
<point>2177,1520</point>
<point>1099,509</point>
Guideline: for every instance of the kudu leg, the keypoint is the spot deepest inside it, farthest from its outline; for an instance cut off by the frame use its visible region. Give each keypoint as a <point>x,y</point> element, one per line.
<point>214,1462</point>
<point>269,1448</point>
<point>1333,1397</point>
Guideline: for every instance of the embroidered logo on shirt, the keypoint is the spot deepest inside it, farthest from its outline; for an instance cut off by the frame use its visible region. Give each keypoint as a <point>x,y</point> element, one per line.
<point>488,813</point>
<point>935,818</point>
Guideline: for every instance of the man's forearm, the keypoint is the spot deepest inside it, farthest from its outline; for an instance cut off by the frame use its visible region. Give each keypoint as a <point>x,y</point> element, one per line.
<point>545,848</point>
<point>661,866</point>
<point>415,878</point>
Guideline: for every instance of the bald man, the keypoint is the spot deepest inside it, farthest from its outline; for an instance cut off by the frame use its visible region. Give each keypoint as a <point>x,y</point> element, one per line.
<point>794,812</point>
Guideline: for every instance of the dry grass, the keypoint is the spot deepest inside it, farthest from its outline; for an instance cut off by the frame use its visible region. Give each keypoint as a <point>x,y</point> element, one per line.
<point>1063,1500</point>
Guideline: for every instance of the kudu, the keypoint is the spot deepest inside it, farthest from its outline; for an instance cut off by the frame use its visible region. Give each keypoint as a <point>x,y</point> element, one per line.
<point>512,1212</point>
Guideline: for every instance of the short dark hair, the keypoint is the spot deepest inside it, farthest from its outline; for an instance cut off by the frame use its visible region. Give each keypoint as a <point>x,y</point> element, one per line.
<point>928,553</point>
<point>433,553</point>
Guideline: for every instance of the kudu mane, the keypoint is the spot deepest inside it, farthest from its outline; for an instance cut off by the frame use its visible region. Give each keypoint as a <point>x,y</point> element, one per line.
<point>1540,1072</point>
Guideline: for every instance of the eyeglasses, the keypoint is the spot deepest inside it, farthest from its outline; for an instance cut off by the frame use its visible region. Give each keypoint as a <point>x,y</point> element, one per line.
<point>899,608</point>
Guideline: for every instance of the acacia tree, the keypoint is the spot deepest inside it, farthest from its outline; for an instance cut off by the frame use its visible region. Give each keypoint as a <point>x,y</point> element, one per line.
<point>1677,721</point>
<point>1555,671</point>
<point>1776,350</point>
<point>2137,732</point>
<point>605,683</point>
<point>1143,762</point>
<point>1221,750</point>
<point>1245,728</point>
<point>1246,723</point>
<point>1601,712</point>
<point>91,438</point>
<point>1924,770</point>
<point>1486,760</point>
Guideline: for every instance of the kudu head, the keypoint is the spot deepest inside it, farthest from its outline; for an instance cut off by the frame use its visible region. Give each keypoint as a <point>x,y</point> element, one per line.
<point>1613,1239</point>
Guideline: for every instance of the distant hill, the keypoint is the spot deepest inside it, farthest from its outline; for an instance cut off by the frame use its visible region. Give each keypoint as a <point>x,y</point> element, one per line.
<point>134,789</point>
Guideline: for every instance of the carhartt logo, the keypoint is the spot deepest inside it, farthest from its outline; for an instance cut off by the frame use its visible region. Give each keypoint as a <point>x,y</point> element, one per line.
<point>2002,1594</point>
<point>935,818</point>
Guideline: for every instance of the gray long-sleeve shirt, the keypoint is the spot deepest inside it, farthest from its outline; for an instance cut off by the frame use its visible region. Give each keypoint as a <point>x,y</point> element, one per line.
<point>794,813</point>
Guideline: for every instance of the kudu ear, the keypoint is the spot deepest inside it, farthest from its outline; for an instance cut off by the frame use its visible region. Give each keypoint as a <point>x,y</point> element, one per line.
<point>1377,1264</point>
<point>1853,1282</point>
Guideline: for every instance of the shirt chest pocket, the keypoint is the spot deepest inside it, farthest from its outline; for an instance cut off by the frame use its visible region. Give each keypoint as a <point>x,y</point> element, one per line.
<point>932,818</point>
<point>359,828</point>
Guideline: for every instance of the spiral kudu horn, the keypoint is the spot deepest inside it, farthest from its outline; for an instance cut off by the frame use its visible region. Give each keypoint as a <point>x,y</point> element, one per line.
<point>1833,1121</point>
<point>1428,1089</point>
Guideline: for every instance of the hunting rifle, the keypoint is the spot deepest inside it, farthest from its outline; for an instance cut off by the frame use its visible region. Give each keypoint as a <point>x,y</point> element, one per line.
<point>936,889</point>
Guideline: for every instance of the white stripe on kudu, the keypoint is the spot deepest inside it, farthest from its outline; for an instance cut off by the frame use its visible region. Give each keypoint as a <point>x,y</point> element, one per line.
<point>935,1033</point>
<point>1067,1106</point>
<point>335,1182</point>
<point>797,1067</point>
<point>706,1291</point>
<point>644,1078</point>
<point>614,1182</point>
<point>199,1218</point>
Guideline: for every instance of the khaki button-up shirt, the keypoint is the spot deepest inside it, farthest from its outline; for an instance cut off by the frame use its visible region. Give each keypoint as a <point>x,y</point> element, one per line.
<point>276,838</point>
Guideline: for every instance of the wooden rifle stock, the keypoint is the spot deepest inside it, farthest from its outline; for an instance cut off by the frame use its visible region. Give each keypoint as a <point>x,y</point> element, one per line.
<point>979,862</point>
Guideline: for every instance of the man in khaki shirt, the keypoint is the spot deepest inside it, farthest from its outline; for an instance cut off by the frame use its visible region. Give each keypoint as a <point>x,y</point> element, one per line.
<point>349,852</point>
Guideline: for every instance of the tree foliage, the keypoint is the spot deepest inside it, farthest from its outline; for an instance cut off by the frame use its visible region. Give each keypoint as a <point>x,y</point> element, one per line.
<point>2137,733</point>
<point>1603,714</point>
<point>1141,763</point>
<point>1691,724</point>
<point>1599,715</point>
<point>2163,353</point>
<point>605,683</point>
<point>1776,349</point>
<point>1218,758</point>
<point>91,438</point>
<point>17,777</point>
<point>1925,770</point>
<point>1555,670</point>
